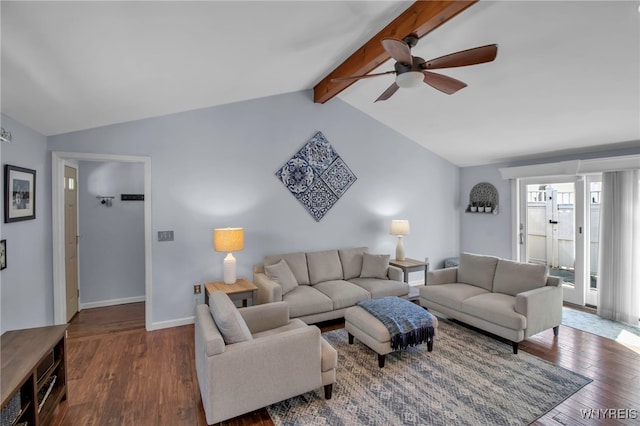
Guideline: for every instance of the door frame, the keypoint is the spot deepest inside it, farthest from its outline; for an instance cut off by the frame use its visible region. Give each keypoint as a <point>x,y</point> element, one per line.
<point>58,160</point>
<point>591,296</point>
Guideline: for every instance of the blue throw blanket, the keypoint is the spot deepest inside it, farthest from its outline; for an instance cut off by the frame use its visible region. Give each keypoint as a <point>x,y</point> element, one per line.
<point>408,323</point>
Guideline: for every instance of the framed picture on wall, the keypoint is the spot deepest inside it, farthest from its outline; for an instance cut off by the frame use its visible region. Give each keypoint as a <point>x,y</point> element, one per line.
<point>19,194</point>
<point>3,254</point>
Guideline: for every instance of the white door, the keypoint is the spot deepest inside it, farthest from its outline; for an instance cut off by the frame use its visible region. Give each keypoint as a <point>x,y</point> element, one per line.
<point>71,239</point>
<point>552,218</point>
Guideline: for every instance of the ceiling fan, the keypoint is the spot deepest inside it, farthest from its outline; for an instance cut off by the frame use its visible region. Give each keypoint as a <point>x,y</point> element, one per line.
<point>411,70</point>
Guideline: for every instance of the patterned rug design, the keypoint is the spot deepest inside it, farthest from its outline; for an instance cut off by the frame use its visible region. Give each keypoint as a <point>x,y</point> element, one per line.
<point>316,176</point>
<point>596,325</point>
<point>468,379</point>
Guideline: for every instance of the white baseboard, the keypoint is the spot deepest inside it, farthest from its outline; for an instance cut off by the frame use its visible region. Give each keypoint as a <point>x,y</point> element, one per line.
<point>416,282</point>
<point>171,323</point>
<point>112,302</point>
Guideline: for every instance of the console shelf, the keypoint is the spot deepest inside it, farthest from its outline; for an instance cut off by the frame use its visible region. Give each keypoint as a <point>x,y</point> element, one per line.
<point>33,373</point>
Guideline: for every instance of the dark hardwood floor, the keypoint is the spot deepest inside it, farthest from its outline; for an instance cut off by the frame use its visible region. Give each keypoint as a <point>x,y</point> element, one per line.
<point>119,374</point>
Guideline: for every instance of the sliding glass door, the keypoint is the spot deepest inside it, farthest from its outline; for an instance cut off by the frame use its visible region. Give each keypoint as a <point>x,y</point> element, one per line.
<point>553,231</point>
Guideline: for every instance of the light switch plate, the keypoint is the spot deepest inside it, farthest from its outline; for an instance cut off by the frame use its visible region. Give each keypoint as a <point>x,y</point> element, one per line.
<point>165,235</point>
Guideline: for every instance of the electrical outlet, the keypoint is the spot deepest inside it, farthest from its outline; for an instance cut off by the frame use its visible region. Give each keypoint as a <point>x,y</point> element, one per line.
<point>197,289</point>
<point>165,235</point>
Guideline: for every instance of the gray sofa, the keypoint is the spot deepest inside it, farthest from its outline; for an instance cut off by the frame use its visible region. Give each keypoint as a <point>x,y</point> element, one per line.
<point>510,299</point>
<point>320,286</point>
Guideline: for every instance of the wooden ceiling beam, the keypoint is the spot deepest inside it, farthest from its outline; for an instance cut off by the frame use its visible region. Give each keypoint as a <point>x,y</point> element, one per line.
<point>420,18</point>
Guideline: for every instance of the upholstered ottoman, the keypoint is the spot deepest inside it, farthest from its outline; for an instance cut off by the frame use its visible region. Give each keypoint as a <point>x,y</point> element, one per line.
<point>373,333</point>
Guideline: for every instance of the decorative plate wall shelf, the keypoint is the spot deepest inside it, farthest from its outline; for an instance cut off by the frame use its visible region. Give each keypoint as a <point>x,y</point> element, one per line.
<point>483,198</point>
<point>316,176</point>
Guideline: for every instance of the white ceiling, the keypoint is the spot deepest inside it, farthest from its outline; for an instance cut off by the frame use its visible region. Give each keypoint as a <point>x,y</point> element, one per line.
<point>567,75</point>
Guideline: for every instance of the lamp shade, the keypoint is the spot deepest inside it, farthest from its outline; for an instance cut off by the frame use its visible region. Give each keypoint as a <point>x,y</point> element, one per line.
<point>409,79</point>
<point>399,227</point>
<point>228,239</point>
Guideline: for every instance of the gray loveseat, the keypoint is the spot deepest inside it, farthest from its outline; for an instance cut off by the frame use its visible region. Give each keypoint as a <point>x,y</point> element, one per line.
<point>510,299</point>
<point>320,286</point>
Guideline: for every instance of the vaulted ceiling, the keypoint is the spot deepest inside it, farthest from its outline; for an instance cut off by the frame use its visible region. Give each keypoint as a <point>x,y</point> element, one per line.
<point>566,79</point>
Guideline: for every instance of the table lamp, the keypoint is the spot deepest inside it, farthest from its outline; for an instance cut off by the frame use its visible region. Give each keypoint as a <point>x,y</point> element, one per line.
<point>399,228</point>
<point>228,240</point>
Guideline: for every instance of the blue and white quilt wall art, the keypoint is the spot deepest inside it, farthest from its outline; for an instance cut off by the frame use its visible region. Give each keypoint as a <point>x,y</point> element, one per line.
<point>316,176</point>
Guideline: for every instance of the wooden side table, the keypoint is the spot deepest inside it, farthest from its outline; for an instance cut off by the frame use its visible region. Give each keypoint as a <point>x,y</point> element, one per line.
<point>242,289</point>
<point>409,265</point>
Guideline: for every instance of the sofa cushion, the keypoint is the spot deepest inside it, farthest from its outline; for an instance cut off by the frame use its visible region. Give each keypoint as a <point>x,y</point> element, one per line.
<point>351,260</point>
<point>297,263</point>
<point>281,273</point>
<point>497,308</point>
<point>306,300</point>
<point>324,266</point>
<point>342,293</point>
<point>477,270</point>
<point>374,266</point>
<point>517,277</point>
<point>381,288</point>
<point>450,295</point>
<point>227,318</point>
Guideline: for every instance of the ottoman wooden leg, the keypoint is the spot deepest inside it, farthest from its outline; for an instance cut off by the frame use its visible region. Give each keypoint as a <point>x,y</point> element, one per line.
<point>430,345</point>
<point>381,360</point>
<point>350,338</point>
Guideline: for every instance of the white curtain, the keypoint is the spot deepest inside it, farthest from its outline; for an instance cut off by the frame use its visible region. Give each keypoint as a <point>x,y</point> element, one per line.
<point>619,257</point>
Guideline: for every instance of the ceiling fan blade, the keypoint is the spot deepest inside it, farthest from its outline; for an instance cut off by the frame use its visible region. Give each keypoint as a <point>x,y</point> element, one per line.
<point>477,55</point>
<point>443,83</point>
<point>398,50</point>
<point>388,93</point>
<point>358,77</point>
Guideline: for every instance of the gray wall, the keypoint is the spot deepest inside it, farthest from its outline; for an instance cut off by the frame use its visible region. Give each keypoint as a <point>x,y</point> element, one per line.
<point>111,238</point>
<point>491,234</point>
<point>26,286</point>
<point>216,167</point>
<point>486,233</point>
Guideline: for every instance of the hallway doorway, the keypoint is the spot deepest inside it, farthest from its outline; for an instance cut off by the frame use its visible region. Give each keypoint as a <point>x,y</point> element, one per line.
<point>58,220</point>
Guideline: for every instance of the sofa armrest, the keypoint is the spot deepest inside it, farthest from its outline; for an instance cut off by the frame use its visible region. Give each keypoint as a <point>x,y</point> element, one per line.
<point>267,370</point>
<point>268,290</point>
<point>442,276</point>
<point>207,334</point>
<point>394,273</point>
<point>265,317</point>
<point>542,307</point>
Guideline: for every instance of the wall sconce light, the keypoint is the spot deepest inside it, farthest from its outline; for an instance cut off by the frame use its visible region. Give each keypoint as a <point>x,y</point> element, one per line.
<point>228,240</point>
<point>105,200</point>
<point>5,135</point>
<point>399,228</point>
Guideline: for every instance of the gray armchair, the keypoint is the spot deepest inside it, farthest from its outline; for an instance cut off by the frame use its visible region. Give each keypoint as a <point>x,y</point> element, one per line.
<point>280,359</point>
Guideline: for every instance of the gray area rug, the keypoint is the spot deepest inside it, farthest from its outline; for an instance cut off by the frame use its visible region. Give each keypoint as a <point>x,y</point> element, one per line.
<point>596,325</point>
<point>468,379</point>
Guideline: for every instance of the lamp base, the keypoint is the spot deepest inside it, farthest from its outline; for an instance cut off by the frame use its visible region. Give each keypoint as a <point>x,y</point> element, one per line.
<point>229,269</point>
<point>399,249</point>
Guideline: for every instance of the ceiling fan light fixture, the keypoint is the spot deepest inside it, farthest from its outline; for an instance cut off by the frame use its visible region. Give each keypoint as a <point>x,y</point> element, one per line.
<point>409,79</point>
